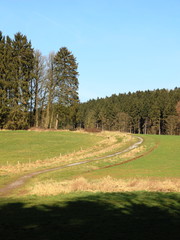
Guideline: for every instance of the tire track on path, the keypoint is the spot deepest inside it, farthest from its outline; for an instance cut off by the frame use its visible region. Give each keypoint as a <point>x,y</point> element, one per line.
<point>22,180</point>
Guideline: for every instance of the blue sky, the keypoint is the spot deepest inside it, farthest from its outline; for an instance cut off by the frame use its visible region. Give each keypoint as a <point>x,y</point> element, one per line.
<point>120,45</point>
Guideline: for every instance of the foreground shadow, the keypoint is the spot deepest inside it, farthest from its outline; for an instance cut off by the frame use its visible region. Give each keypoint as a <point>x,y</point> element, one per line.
<point>100,216</point>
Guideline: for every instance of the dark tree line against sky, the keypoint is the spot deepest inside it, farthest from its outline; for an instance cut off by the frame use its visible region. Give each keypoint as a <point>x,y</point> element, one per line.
<point>35,90</point>
<point>145,112</point>
<point>38,91</point>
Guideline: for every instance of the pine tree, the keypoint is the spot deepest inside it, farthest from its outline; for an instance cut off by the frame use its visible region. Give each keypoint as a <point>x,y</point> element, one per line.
<point>6,76</point>
<point>21,82</point>
<point>3,99</point>
<point>66,77</point>
<point>24,63</point>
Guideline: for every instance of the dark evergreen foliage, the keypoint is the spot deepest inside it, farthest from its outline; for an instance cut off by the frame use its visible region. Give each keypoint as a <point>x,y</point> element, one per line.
<point>17,63</point>
<point>43,92</point>
<point>66,76</point>
<point>146,112</point>
<point>35,91</point>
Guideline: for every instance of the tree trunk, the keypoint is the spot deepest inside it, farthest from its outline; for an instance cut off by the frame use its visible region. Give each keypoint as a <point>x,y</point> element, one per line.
<point>139,126</point>
<point>47,116</point>
<point>145,126</point>
<point>36,112</point>
<point>159,126</point>
<point>56,123</point>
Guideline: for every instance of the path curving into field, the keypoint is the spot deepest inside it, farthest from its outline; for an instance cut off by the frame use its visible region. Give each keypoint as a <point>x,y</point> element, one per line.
<point>22,180</point>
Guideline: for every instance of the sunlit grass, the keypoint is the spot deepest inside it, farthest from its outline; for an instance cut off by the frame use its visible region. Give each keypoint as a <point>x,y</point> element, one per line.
<point>28,146</point>
<point>68,147</point>
<point>163,161</point>
<point>106,184</point>
<point>156,171</point>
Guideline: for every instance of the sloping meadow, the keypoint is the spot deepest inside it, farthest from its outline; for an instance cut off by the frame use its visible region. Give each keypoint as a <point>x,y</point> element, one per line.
<point>155,172</point>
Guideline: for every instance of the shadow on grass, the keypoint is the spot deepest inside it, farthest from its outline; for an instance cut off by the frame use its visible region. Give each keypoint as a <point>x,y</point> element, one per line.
<point>95,216</point>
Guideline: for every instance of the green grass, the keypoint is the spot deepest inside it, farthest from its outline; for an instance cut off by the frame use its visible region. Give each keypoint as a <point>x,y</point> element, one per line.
<point>25,146</point>
<point>136,215</point>
<point>79,170</point>
<point>164,161</point>
<point>133,215</point>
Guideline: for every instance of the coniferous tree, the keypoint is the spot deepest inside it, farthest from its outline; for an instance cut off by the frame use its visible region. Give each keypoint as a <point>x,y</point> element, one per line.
<point>3,98</point>
<point>21,81</point>
<point>66,76</point>
<point>149,112</point>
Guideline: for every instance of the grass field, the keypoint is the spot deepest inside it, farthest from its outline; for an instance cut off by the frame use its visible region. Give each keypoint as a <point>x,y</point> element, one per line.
<point>23,151</point>
<point>135,215</point>
<point>163,161</point>
<point>25,146</point>
<point>84,214</point>
<point>156,171</point>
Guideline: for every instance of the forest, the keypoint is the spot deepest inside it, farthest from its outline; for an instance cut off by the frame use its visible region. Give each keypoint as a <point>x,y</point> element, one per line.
<point>42,91</point>
<point>143,112</point>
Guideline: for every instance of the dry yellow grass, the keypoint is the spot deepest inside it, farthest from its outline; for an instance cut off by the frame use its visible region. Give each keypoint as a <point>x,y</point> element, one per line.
<point>108,144</point>
<point>107,184</point>
<point>133,152</point>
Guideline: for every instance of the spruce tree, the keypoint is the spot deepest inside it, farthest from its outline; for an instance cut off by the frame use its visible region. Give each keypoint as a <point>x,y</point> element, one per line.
<point>66,77</point>
<point>6,76</point>
<point>21,82</point>
<point>3,99</point>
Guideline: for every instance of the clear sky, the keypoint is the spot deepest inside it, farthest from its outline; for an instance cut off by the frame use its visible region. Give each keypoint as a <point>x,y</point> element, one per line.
<point>120,45</point>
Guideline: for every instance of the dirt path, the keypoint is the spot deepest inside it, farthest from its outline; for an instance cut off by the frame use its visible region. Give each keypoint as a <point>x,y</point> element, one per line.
<point>22,180</point>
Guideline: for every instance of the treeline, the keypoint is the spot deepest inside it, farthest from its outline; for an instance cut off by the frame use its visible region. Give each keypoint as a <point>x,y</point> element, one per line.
<point>36,90</point>
<point>39,91</point>
<point>145,112</point>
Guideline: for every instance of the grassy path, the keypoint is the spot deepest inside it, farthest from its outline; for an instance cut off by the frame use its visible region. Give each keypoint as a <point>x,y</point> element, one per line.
<point>26,151</point>
<point>156,170</point>
<point>163,162</point>
<point>22,180</point>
